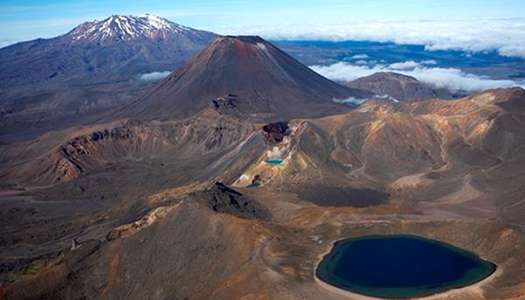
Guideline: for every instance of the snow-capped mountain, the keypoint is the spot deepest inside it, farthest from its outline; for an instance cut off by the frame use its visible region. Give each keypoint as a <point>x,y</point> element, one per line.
<point>94,67</point>
<point>114,49</point>
<point>128,28</point>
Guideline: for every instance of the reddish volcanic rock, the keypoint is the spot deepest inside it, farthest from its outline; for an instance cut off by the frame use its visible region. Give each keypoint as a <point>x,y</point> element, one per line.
<point>275,132</point>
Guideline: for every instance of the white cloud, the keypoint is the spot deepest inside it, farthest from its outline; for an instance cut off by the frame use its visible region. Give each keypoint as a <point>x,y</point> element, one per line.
<point>406,65</point>
<point>388,97</point>
<point>154,75</point>
<point>506,35</point>
<point>350,100</point>
<point>429,62</point>
<point>451,78</point>
<point>512,50</point>
<point>360,56</point>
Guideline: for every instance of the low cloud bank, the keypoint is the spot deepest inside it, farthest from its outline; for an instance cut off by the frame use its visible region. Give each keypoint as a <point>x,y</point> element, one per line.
<point>359,101</point>
<point>350,100</point>
<point>154,76</point>
<point>504,35</point>
<point>450,78</point>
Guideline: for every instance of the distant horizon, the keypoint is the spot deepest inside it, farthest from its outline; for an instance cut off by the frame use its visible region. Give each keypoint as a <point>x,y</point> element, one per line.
<point>473,26</point>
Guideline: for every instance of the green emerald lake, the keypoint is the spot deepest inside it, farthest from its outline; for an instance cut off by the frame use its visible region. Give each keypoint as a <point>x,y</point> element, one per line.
<point>274,162</point>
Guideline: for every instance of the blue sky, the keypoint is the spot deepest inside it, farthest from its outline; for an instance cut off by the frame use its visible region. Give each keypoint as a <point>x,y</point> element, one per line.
<point>29,19</point>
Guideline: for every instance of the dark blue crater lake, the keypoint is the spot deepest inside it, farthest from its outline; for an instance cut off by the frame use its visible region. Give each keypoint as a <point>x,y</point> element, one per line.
<point>400,266</point>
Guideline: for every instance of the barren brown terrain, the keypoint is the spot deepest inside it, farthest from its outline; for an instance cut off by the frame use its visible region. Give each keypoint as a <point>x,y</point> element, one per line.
<point>211,202</point>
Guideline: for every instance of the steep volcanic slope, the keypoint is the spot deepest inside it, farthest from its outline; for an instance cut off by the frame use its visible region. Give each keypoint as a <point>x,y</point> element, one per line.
<point>118,47</point>
<point>244,75</point>
<point>398,86</point>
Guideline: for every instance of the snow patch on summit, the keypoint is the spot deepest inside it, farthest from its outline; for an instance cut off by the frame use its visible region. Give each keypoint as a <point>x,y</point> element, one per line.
<point>262,46</point>
<point>126,28</point>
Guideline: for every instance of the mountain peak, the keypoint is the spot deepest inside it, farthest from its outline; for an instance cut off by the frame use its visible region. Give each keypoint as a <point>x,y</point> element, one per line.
<point>120,27</point>
<point>253,39</point>
<point>116,47</point>
<point>253,48</point>
<point>242,75</point>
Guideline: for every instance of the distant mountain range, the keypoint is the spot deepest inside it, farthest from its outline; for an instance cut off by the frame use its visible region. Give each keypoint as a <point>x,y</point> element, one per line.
<point>116,48</point>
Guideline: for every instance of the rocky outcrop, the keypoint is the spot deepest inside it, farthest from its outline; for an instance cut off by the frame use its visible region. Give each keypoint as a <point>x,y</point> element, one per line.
<point>223,199</point>
<point>225,104</point>
<point>275,132</point>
